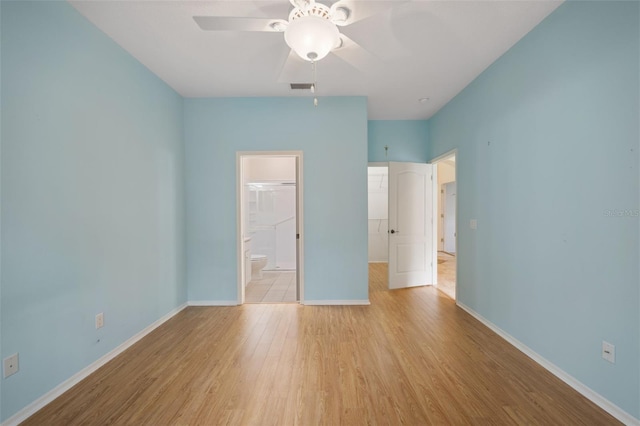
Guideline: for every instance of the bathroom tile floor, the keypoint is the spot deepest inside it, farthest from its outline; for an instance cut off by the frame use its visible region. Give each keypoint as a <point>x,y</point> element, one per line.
<point>274,287</point>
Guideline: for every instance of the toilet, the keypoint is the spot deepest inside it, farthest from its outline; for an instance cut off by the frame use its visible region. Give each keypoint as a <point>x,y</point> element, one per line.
<point>258,262</point>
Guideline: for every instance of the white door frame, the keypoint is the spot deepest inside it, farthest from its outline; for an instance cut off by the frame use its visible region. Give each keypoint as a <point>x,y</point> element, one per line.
<point>436,201</point>
<point>240,218</point>
<point>449,202</point>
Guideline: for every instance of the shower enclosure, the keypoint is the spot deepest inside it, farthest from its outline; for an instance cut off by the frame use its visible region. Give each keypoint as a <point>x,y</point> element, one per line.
<point>271,222</point>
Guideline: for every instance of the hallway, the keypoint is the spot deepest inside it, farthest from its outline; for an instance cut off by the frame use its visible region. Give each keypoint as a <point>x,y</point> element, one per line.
<point>447,274</point>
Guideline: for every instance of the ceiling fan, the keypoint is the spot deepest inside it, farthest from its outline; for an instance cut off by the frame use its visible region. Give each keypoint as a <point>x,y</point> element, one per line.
<point>311,30</point>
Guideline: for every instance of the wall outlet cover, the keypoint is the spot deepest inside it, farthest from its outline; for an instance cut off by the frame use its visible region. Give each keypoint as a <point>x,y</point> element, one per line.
<point>10,365</point>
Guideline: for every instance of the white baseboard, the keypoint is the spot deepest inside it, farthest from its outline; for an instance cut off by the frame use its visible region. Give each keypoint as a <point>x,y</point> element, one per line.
<point>45,399</point>
<point>587,392</point>
<point>336,302</point>
<point>213,303</point>
<point>305,302</point>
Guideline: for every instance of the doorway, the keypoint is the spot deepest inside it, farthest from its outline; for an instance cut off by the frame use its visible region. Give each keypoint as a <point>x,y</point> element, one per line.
<point>378,211</point>
<point>446,200</point>
<point>400,222</point>
<point>269,217</point>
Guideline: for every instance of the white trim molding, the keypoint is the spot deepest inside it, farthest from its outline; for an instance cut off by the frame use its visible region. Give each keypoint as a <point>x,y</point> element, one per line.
<point>444,156</point>
<point>586,391</point>
<point>48,397</point>
<point>336,302</point>
<point>240,222</point>
<point>213,303</point>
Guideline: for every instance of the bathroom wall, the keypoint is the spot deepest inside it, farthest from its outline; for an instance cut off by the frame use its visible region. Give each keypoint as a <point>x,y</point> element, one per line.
<point>270,209</point>
<point>272,224</point>
<point>269,168</point>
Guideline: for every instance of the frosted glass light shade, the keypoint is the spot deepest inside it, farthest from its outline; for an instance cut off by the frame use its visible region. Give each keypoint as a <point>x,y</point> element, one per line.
<point>311,37</point>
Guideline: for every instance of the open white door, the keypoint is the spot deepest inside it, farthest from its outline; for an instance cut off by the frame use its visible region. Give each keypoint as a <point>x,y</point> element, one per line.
<point>410,225</point>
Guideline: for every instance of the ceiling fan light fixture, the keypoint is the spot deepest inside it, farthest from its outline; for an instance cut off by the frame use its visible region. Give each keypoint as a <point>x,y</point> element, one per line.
<point>312,37</point>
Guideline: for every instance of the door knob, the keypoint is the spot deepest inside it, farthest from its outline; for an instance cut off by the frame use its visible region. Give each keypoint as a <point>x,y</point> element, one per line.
<point>393,231</point>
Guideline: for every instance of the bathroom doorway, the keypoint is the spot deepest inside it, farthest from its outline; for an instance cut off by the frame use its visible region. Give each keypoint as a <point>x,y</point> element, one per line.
<point>446,200</point>
<point>269,223</point>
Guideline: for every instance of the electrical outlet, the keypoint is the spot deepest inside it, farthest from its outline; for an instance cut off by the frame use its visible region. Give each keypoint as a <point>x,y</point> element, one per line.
<point>10,365</point>
<point>609,352</point>
<point>99,320</point>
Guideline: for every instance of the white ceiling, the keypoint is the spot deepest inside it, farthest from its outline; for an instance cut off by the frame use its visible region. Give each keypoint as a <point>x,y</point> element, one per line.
<point>411,49</point>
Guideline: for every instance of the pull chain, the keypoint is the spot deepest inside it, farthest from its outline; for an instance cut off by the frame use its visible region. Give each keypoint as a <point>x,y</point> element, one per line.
<point>313,86</point>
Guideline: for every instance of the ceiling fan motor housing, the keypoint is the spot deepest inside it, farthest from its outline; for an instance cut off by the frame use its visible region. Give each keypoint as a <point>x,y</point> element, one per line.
<point>311,33</point>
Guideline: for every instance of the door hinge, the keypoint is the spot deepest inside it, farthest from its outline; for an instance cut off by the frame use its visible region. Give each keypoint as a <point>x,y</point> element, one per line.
<point>442,191</point>
<point>441,214</point>
<point>442,240</point>
<point>297,236</point>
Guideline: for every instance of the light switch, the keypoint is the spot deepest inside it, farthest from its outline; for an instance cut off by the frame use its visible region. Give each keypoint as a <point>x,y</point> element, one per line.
<point>609,352</point>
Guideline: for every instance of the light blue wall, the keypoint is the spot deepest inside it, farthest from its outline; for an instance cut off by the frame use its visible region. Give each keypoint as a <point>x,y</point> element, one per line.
<point>92,200</point>
<point>548,143</point>
<point>0,206</point>
<point>333,138</point>
<point>92,196</point>
<point>408,140</point>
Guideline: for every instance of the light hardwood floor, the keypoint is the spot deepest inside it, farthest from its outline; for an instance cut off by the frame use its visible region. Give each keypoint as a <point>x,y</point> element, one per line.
<point>412,357</point>
<point>447,274</point>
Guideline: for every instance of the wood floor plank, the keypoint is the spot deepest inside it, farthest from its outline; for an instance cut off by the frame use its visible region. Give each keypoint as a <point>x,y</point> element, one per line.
<point>412,357</point>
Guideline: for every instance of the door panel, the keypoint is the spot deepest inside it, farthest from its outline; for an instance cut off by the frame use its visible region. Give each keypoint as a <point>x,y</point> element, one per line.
<point>410,225</point>
<point>411,257</point>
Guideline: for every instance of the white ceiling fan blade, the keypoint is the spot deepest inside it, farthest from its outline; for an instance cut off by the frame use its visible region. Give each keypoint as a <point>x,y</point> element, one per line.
<point>229,23</point>
<point>359,10</point>
<point>295,70</point>
<point>302,4</point>
<point>356,55</point>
